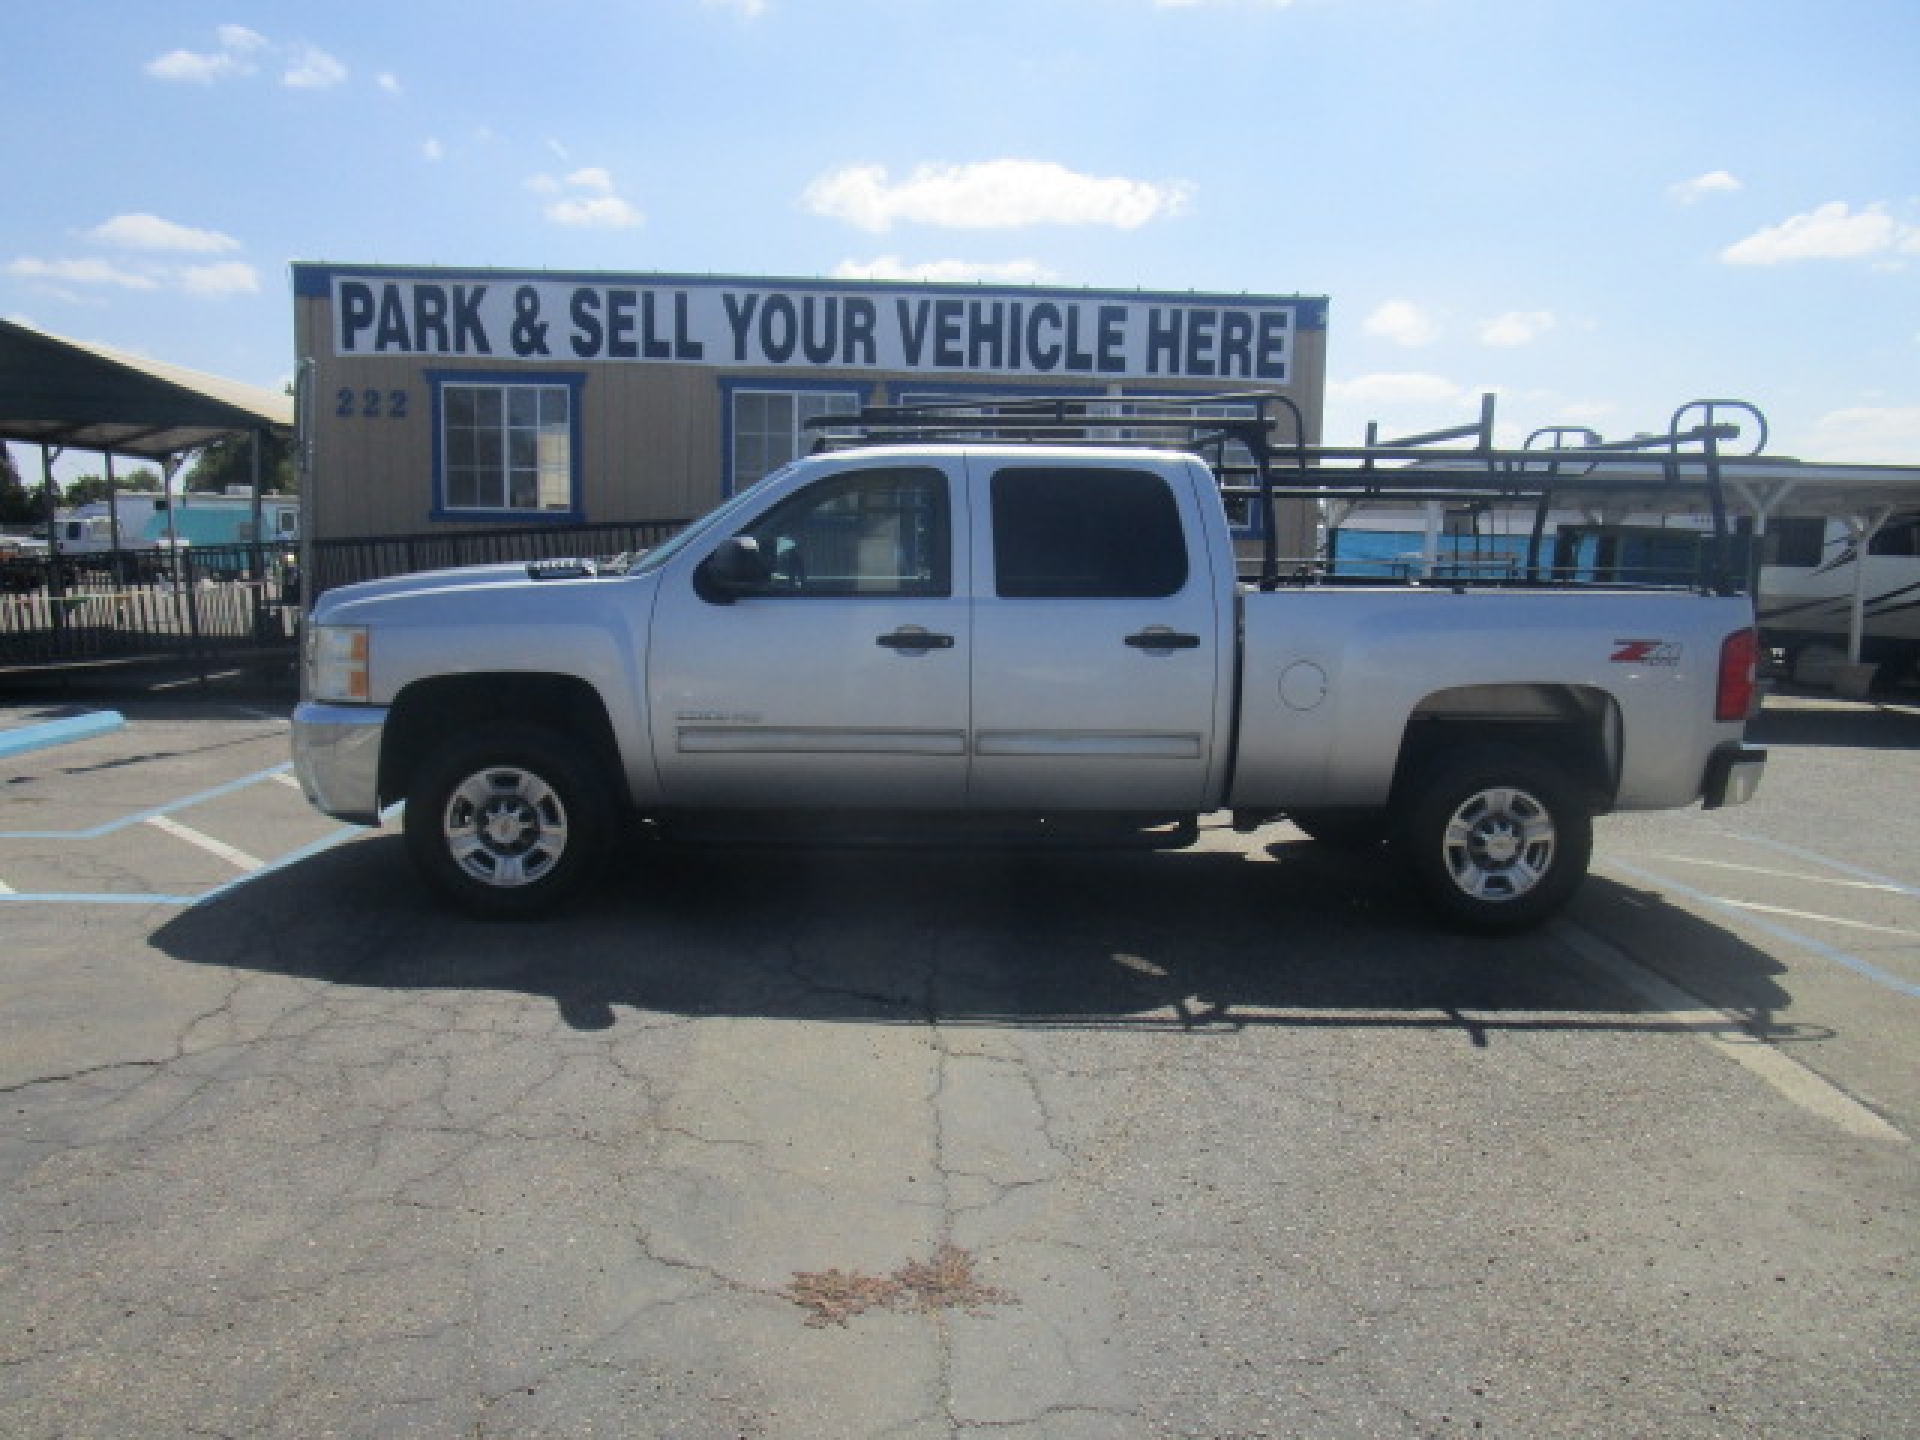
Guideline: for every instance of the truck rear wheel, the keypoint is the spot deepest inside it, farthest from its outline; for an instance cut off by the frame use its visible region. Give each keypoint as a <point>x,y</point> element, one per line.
<point>506,822</point>
<point>1496,839</point>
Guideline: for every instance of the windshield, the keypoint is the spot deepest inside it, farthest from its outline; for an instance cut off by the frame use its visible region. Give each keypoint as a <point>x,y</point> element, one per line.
<point>651,560</point>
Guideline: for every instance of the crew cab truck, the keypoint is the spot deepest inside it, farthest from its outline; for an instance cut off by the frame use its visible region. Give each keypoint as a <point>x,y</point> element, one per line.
<point>1049,638</point>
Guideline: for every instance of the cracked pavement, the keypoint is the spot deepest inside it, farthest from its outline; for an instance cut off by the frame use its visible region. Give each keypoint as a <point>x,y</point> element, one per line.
<point>1249,1147</point>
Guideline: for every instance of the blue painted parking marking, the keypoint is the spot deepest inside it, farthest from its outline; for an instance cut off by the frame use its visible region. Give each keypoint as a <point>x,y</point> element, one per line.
<point>23,738</point>
<point>292,857</point>
<point>95,832</point>
<point>1864,968</point>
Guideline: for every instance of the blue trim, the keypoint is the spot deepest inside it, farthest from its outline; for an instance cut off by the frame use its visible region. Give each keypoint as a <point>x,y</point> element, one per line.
<point>532,378</point>
<point>771,385</point>
<point>21,739</point>
<point>314,280</point>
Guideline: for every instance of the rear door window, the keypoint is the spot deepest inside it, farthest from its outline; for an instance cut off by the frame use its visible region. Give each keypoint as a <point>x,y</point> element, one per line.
<point>1086,533</point>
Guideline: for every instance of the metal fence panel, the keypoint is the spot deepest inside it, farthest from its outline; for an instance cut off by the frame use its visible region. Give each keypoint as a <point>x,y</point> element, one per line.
<point>243,601</point>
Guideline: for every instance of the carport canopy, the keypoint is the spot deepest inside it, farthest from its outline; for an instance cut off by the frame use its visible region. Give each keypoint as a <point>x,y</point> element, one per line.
<point>70,394</point>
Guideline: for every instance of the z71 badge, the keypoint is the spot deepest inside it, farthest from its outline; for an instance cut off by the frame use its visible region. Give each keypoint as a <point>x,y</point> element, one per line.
<point>1647,652</point>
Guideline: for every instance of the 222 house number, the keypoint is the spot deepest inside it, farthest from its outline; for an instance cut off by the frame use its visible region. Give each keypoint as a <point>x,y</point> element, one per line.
<point>370,404</point>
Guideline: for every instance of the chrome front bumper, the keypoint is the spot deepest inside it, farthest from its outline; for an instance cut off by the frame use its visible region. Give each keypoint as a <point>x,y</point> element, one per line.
<point>336,754</point>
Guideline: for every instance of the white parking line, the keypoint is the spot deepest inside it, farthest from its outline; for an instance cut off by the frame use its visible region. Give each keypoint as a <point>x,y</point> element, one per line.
<point>1815,857</point>
<point>237,858</point>
<point>1865,968</point>
<point>1884,887</point>
<point>111,826</point>
<point>1729,1035</point>
<point>1902,930</point>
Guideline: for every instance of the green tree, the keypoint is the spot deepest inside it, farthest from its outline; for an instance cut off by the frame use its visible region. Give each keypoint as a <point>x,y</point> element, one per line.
<point>229,461</point>
<point>19,502</point>
<point>94,487</point>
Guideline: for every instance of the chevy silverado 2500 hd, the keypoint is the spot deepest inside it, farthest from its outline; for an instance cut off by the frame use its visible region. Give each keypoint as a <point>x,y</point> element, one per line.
<point>1014,631</point>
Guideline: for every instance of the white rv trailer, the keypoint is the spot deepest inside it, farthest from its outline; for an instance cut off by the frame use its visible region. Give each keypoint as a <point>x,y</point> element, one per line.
<point>89,529</point>
<point>1803,528</point>
<point>1818,569</point>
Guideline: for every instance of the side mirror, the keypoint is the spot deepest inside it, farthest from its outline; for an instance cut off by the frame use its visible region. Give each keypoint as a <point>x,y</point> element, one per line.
<point>737,568</point>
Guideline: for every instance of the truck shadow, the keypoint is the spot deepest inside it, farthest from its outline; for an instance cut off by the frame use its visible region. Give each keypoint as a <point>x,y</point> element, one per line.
<point>1292,935</point>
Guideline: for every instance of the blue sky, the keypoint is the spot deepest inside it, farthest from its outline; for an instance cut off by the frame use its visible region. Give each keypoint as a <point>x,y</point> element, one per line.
<point>1598,210</point>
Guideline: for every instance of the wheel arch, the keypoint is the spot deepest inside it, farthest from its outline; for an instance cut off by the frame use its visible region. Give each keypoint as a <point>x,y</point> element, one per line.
<point>1575,727</point>
<point>428,712</point>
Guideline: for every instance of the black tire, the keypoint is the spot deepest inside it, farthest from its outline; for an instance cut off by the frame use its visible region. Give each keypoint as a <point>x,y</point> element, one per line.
<point>1496,839</point>
<point>507,822</point>
<point>1342,829</point>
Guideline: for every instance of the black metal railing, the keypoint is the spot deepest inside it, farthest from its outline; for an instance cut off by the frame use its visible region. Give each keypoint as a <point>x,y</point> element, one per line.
<point>208,604</point>
<point>345,562</point>
<point>124,605</point>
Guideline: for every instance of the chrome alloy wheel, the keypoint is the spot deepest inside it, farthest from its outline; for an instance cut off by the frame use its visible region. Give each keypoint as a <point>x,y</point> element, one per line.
<point>1499,844</point>
<point>505,827</point>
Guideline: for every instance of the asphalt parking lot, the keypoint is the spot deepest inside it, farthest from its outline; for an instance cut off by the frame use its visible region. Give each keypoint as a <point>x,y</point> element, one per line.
<point>1221,1143</point>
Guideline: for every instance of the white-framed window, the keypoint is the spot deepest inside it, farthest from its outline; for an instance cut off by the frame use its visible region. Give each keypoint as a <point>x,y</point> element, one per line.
<point>768,427</point>
<point>506,448</point>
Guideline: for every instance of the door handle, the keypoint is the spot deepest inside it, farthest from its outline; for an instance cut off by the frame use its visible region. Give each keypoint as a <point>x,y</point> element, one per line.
<point>1163,640</point>
<point>915,640</point>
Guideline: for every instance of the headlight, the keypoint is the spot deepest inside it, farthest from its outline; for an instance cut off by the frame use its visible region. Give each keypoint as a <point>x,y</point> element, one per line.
<point>338,662</point>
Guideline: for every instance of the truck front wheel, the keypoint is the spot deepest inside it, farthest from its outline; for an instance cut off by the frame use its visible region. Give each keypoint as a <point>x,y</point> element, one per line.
<point>506,823</point>
<point>1497,840</point>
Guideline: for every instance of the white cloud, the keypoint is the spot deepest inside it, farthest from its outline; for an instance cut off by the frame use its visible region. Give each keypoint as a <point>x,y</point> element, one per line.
<point>989,195</point>
<point>1398,388</point>
<point>239,40</point>
<point>307,67</point>
<point>82,272</point>
<point>1517,327</point>
<point>150,232</point>
<point>1593,413</point>
<point>1402,322</point>
<point>600,212</point>
<point>186,65</point>
<point>1714,182</point>
<point>750,9</point>
<point>311,68</point>
<point>432,149</point>
<point>1868,435</point>
<point>224,277</point>
<point>590,200</point>
<point>389,82</point>
<point>592,178</point>
<point>891,267</point>
<point>1832,231</point>
<point>237,43</point>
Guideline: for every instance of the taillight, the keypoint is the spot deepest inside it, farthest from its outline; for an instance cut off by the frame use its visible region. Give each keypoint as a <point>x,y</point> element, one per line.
<point>1739,676</point>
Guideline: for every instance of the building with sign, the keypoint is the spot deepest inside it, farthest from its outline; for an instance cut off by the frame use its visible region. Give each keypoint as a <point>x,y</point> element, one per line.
<point>456,400</point>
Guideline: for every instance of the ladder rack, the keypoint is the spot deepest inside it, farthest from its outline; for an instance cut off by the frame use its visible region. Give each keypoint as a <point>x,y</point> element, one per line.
<point>1258,458</point>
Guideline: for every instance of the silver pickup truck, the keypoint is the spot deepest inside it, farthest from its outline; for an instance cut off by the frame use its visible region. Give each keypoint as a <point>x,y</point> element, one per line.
<point>1050,639</point>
